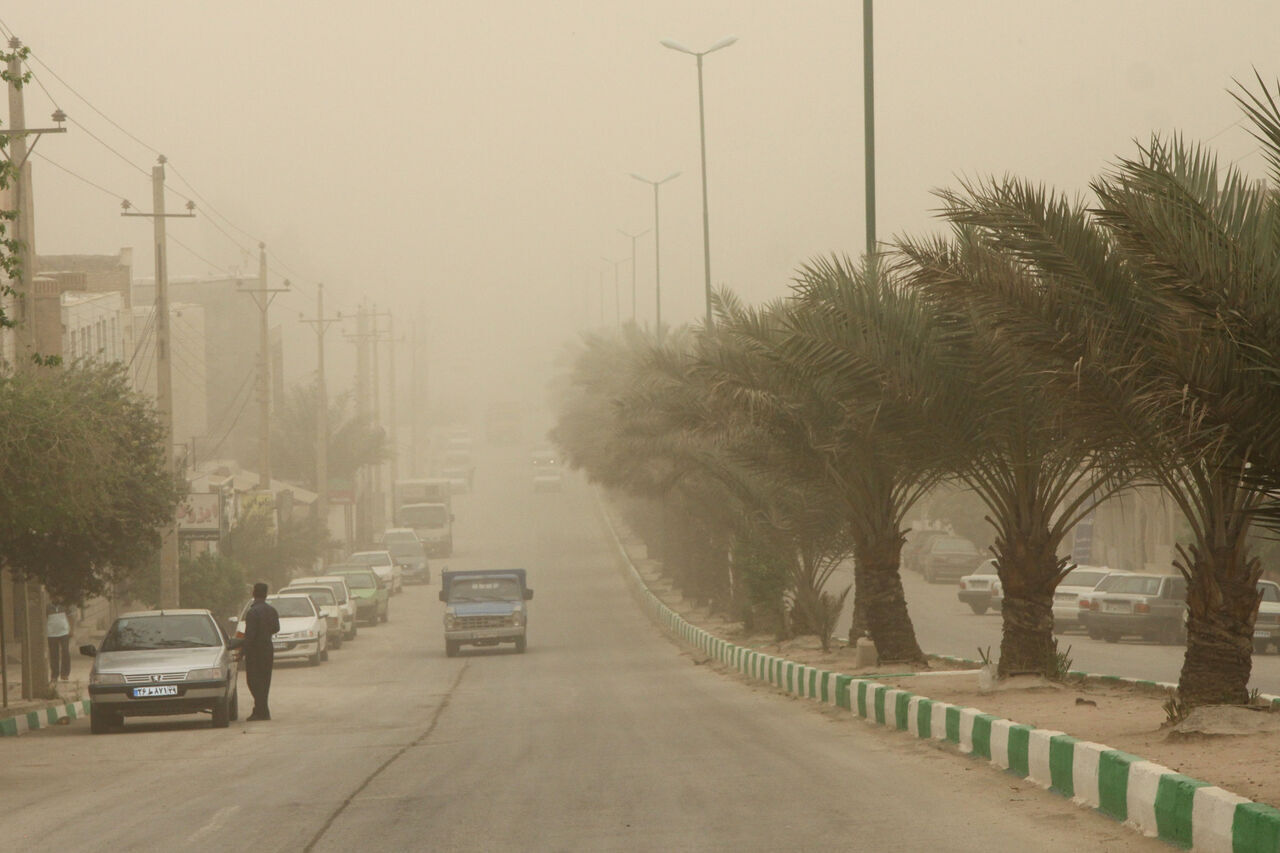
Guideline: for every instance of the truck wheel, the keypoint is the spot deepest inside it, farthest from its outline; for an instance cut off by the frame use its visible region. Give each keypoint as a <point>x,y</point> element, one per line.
<point>977,608</point>
<point>520,645</point>
<point>451,648</point>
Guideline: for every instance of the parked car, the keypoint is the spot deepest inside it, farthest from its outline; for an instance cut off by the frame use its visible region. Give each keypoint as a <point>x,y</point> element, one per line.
<point>1266,628</point>
<point>303,633</point>
<point>371,596</point>
<point>1151,606</point>
<point>327,603</point>
<point>346,601</point>
<point>408,551</point>
<point>917,541</point>
<point>384,566</point>
<point>1066,598</point>
<point>949,557</point>
<point>154,663</point>
<point>547,476</point>
<point>981,589</point>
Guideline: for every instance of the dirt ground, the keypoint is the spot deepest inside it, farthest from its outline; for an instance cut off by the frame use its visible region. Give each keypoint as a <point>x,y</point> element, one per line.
<point>1126,718</point>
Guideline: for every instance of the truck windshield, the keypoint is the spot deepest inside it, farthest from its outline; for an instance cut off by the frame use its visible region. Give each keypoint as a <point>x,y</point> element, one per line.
<point>430,515</point>
<point>485,589</point>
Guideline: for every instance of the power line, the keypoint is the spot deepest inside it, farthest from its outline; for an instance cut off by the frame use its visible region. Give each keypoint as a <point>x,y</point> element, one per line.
<point>79,177</point>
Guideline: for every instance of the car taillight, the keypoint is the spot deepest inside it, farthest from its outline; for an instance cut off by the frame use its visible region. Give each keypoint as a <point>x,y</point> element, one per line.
<point>1093,605</point>
<point>1084,604</point>
<point>962,583</point>
<point>1141,607</point>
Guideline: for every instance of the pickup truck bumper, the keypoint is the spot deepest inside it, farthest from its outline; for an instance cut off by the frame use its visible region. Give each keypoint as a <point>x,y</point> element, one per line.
<point>485,635</point>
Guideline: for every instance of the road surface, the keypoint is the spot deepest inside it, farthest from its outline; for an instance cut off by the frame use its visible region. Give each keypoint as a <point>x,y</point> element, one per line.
<point>603,736</point>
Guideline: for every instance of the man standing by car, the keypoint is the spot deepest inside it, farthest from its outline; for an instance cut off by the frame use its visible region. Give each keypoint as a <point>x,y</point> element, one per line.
<point>261,622</point>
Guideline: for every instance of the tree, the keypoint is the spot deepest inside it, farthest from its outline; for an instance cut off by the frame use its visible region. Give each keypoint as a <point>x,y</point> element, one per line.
<point>353,442</point>
<point>86,488</point>
<point>210,581</point>
<point>274,555</point>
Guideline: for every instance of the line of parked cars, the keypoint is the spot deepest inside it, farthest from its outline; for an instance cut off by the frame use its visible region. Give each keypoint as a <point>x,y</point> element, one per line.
<point>168,662</point>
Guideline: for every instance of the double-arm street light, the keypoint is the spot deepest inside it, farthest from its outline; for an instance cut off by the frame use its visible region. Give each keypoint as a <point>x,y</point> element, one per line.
<point>702,132</point>
<point>657,256</point>
<point>633,238</point>
<point>617,305</point>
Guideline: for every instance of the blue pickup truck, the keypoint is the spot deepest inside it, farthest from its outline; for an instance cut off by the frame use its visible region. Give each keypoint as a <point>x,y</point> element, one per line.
<point>484,608</point>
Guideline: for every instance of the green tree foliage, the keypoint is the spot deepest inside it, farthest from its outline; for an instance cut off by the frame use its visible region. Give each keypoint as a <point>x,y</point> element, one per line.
<point>271,553</point>
<point>85,486</point>
<point>353,442</point>
<point>211,581</point>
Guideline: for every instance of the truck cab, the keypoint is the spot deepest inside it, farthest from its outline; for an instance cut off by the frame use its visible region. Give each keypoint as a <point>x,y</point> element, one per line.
<point>433,522</point>
<point>485,608</point>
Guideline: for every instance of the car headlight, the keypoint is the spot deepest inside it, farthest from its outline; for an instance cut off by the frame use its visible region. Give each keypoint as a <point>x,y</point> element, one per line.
<point>213,673</point>
<point>96,677</point>
<point>517,619</point>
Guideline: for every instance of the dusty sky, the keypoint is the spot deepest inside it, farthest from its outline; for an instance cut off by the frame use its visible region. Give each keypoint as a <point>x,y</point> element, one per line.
<point>469,159</point>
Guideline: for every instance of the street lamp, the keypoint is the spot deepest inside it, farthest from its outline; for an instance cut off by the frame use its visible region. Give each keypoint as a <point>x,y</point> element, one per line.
<point>657,256</point>
<point>702,132</point>
<point>617,306</point>
<point>633,238</point>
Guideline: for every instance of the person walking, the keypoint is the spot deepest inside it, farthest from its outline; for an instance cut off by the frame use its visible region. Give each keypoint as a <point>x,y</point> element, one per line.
<point>261,623</point>
<point>57,629</point>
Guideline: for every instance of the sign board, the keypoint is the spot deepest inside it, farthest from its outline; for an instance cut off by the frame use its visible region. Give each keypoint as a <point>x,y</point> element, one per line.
<point>260,503</point>
<point>200,516</point>
<point>1082,542</point>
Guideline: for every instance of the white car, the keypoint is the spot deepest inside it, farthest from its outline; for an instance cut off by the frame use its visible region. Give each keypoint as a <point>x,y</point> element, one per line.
<point>1266,628</point>
<point>303,632</point>
<point>547,476</point>
<point>346,601</point>
<point>981,589</point>
<point>384,566</point>
<point>1066,598</point>
<point>327,603</point>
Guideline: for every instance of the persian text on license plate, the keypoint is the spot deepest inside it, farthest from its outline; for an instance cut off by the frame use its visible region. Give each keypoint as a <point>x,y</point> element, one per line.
<point>1109,607</point>
<point>160,690</point>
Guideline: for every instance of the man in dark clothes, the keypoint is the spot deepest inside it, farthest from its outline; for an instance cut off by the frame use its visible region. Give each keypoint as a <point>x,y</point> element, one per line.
<point>261,623</point>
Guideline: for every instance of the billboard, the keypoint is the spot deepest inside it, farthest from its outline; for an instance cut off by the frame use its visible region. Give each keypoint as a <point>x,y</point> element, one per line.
<point>200,516</point>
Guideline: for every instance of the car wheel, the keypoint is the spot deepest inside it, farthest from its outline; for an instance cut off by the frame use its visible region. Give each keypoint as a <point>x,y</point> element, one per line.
<point>386,615</point>
<point>222,713</point>
<point>1111,636</point>
<point>977,608</point>
<point>233,710</point>
<point>100,722</point>
<point>324,655</point>
<point>351,635</point>
<point>451,648</point>
<point>520,645</point>
<point>315,659</point>
<point>337,640</point>
<point>929,575</point>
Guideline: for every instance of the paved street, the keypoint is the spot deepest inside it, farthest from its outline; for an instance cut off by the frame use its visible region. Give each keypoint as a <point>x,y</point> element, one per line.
<point>603,736</point>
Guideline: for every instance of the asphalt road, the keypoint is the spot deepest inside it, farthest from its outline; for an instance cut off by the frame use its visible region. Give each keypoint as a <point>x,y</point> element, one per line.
<point>946,626</point>
<point>603,736</point>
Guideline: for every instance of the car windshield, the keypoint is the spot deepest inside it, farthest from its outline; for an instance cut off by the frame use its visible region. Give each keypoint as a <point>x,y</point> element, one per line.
<point>1136,584</point>
<point>952,545</point>
<point>295,605</point>
<point>321,595</point>
<point>371,558</point>
<point>484,589</point>
<point>1083,577</point>
<point>162,631</point>
<point>428,515</point>
<point>1270,592</point>
<point>361,580</point>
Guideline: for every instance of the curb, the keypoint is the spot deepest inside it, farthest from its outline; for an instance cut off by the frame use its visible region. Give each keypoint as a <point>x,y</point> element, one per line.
<point>1143,795</point>
<point>42,718</point>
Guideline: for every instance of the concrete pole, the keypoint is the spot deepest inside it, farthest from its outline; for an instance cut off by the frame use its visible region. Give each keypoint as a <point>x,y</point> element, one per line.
<point>869,127</point>
<point>391,400</point>
<point>322,417</point>
<point>415,389</point>
<point>363,497</point>
<point>169,580</point>
<point>264,374</point>
<point>706,216</point>
<point>657,267</point>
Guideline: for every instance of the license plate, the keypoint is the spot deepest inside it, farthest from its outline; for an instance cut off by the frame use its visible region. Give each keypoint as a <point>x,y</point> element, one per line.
<point>161,690</point>
<point>1110,607</point>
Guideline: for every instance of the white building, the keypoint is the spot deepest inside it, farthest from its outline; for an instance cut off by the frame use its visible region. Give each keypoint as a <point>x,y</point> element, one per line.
<point>94,327</point>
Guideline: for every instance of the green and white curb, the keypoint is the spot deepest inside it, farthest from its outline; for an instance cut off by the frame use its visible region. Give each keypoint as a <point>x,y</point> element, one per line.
<point>42,718</point>
<point>1150,798</point>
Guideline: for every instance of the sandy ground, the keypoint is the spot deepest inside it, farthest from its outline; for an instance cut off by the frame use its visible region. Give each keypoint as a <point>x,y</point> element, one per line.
<point>1124,718</point>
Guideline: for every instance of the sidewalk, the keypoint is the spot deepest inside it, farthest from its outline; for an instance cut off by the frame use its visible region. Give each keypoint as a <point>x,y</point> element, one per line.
<point>14,718</point>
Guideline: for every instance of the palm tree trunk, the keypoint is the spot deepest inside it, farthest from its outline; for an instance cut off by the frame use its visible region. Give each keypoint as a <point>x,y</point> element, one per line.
<point>1029,568</point>
<point>1222,603</point>
<point>858,623</point>
<point>878,554</point>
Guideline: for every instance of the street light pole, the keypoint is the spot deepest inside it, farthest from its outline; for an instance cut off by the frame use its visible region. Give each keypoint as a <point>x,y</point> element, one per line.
<point>702,136</point>
<point>633,238</point>
<point>657,254</point>
<point>617,303</point>
<point>869,128</point>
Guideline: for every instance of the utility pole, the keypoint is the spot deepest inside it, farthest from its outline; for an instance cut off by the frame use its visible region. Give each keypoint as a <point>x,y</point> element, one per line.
<point>30,596</point>
<point>365,403</point>
<point>170,583</point>
<point>321,324</point>
<point>391,411</point>
<point>869,127</point>
<point>376,337</point>
<point>633,238</point>
<point>263,297</point>
<point>415,385</point>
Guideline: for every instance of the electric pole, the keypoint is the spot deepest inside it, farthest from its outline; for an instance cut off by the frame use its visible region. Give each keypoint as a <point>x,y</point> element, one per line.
<point>321,324</point>
<point>170,583</point>
<point>391,403</point>
<point>417,378</point>
<point>31,598</point>
<point>263,297</point>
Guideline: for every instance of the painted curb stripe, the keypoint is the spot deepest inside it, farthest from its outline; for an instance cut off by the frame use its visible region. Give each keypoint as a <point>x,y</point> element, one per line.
<point>42,718</point>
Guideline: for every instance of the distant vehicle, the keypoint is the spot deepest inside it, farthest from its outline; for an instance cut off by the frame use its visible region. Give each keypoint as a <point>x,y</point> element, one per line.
<point>432,490</point>
<point>371,595</point>
<point>1266,628</point>
<point>1151,606</point>
<point>484,608</point>
<point>459,479</point>
<point>408,551</point>
<point>157,663</point>
<point>1066,598</point>
<point>384,566</point>
<point>917,541</point>
<point>346,600</point>
<point>981,590</point>
<point>327,603</point>
<point>456,464</point>
<point>433,522</point>
<point>547,476</point>
<point>949,557</point>
<point>459,440</point>
<point>303,631</point>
